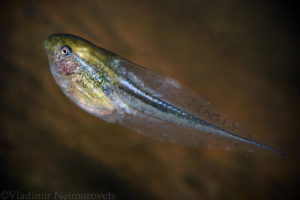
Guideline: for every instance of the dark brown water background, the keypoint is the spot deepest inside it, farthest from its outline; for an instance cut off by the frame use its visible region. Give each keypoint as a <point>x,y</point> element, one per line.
<point>241,55</point>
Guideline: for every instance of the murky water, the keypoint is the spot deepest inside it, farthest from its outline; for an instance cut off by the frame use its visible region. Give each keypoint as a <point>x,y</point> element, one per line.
<point>241,56</point>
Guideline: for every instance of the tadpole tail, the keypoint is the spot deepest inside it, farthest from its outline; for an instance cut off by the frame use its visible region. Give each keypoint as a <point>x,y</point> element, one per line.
<point>228,134</point>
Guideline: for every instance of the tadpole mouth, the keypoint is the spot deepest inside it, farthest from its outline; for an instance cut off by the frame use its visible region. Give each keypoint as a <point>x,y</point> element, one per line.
<point>49,43</point>
<point>46,44</point>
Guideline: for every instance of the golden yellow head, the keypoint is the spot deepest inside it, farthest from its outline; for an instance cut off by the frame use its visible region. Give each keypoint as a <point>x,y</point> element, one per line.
<point>78,45</point>
<point>81,69</point>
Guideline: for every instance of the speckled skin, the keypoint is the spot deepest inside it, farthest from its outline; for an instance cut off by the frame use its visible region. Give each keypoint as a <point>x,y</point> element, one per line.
<point>108,87</point>
<point>84,75</point>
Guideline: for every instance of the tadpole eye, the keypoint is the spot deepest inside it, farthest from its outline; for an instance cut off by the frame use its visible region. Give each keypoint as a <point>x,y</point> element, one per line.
<point>65,50</point>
